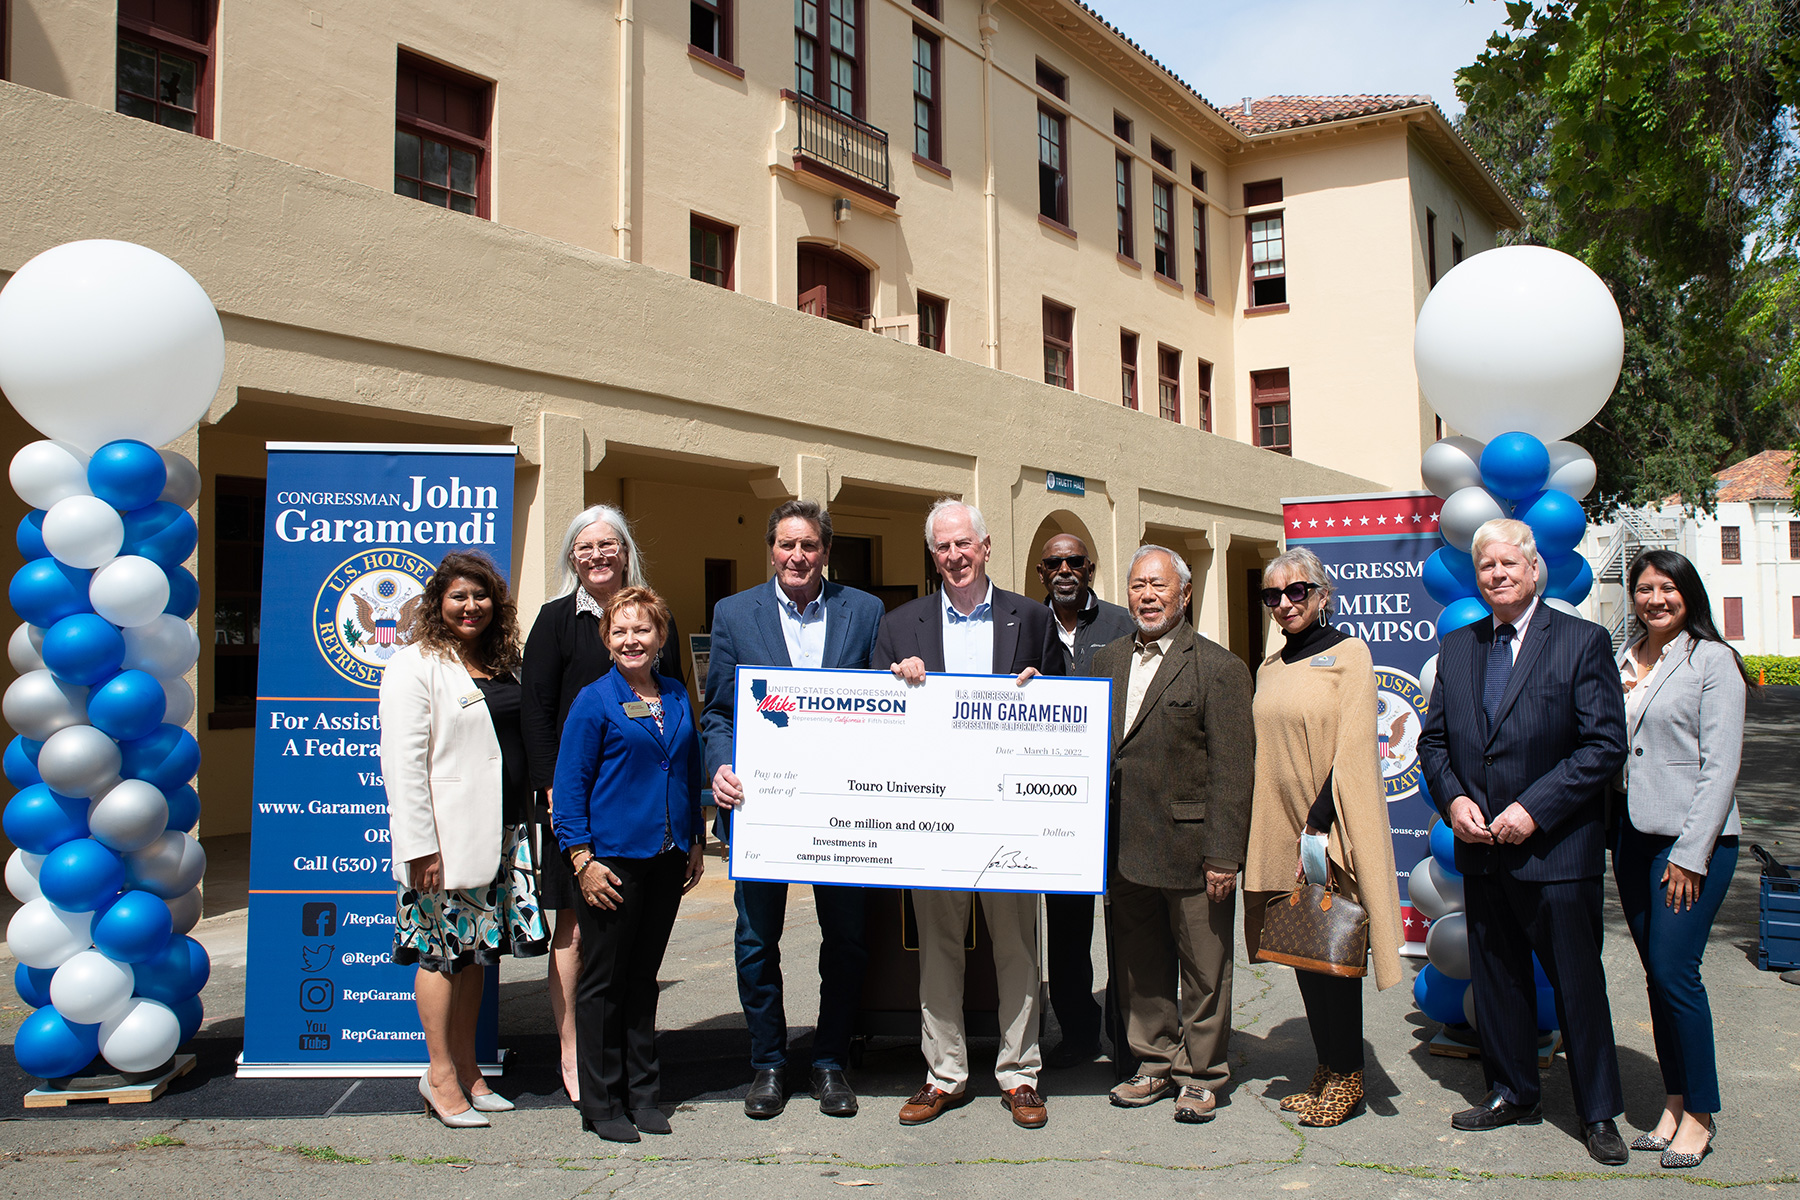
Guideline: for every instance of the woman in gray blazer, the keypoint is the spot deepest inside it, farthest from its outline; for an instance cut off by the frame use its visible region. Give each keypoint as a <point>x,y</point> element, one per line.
<point>1677,840</point>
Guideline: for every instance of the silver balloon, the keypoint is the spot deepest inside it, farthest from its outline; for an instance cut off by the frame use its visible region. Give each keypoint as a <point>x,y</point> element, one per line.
<point>185,908</point>
<point>43,935</point>
<point>22,875</point>
<point>1449,886</point>
<point>142,1036</point>
<point>37,704</point>
<point>129,817</point>
<point>1572,469</point>
<point>163,647</point>
<point>183,487</point>
<point>178,699</point>
<point>1451,464</point>
<point>79,761</point>
<point>26,649</point>
<point>1466,511</point>
<point>167,867</point>
<point>90,987</point>
<point>1565,608</point>
<point>1422,889</point>
<point>1447,945</point>
<point>1428,677</point>
<point>1469,1006</point>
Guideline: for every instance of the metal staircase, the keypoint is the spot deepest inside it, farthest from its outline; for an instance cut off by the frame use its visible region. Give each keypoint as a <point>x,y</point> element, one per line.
<point>1634,531</point>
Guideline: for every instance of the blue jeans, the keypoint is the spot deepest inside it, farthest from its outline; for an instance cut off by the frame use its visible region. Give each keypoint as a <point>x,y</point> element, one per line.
<point>761,912</point>
<point>1670,945</point>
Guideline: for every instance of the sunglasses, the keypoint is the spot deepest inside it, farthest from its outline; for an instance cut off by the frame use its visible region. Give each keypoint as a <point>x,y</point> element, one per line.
<point>1075,562</point>
<point>1295,593</point>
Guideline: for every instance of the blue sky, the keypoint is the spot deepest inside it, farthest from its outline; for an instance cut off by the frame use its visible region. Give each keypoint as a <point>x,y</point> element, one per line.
<point>1227,51</point>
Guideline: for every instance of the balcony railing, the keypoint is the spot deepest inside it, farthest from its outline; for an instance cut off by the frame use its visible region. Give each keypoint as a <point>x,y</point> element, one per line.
<point>841,141</point>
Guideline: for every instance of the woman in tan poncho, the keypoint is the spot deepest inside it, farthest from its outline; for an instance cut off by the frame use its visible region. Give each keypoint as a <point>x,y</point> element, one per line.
<point>1317,774</point>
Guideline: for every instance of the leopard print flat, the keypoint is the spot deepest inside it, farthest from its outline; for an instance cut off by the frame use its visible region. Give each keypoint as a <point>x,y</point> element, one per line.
<point>1300,1101</point>
<point>1342,1096</point>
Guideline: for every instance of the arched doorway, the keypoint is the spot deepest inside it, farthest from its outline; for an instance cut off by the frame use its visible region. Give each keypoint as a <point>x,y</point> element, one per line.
<point>1059,521</point>
<point>832,285</point>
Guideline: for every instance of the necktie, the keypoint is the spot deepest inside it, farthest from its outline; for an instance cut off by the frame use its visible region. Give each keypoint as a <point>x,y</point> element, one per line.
<point>1499,666</point>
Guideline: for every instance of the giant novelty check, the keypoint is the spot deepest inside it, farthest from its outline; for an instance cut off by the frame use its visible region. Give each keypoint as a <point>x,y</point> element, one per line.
<point>966,781</point>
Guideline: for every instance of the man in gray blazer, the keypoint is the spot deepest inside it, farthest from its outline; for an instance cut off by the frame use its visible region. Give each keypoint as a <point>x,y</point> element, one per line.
<point>794,620</point>
<point>1184,757</point>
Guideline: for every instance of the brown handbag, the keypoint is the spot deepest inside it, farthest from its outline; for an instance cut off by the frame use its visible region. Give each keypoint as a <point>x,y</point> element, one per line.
<point>1316,929</point>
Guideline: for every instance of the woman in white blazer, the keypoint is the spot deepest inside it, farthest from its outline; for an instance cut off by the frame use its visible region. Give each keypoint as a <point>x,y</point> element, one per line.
<point>453,760</point>
<point>1677,840</point>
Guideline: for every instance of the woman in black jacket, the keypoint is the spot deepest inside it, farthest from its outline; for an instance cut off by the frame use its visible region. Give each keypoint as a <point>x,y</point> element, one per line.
<point>564,654</point>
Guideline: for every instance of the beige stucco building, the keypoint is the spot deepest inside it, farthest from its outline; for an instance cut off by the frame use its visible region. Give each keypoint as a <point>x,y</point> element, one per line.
<point>657,204</point>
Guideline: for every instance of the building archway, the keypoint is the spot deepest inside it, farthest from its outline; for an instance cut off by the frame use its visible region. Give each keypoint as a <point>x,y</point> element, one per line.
<point>832,284</point>
<point>1057,521</point>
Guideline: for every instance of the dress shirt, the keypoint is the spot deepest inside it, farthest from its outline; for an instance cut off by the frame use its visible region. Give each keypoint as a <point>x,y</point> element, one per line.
<point>1068,635</point>
<point>1636,683</point>
<point>585,603</point>
<point>803,629</point>
<point>969,640</point>
<point>1146,657</point>
<point>1519,626</point>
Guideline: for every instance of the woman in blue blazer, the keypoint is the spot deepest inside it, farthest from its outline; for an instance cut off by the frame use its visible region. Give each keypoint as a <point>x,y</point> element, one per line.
<point>628,817</point>
<point>1677,840</point>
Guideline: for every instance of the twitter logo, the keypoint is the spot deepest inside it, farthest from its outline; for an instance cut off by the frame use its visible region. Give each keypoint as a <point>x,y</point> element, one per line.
<point>316,958</point>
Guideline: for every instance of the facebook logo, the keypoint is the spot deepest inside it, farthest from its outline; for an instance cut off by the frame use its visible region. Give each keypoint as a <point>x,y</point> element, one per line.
<point>318,918</point>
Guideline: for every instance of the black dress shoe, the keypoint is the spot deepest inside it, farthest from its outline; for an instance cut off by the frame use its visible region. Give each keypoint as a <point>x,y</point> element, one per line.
<point>649,1120</point>
<point>1604,1143</point>
<point>833,1092</point>
<point>1068,1054</point>
<point>613,1129</point>
<point>765,1098</point>
<point>1497,1111</point>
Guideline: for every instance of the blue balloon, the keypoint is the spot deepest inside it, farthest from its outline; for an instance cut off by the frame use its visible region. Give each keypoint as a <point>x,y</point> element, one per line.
<point>33,984</point>
<point>127,474</point>
<point>84,648</point>
<point>184,592</point>
<point>30,537</point>
<point>1546,1009</point>
<point>80,874</point>
<point>190,1013</point>
<point>1450,575</point>
<point>160,532</point>
<point>184,809</point>
<point>37,820</point>
<point>1573,586</point>
<point>1462,612</point>
<point>50,1046</point>
<point>1514,465</point>
<point>167,757</point>
<point>44,591</point>
<point>1537,973</point>
<point>134,929</point>
<point>1439,996</point>
<point>1443,845</point>
<point>1556,521</point>
<point>177,971</point>
<point>20,762</point>
<point>128,706</point>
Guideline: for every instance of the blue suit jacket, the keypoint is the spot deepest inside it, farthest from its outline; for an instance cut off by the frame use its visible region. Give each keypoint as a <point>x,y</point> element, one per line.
<point>639,781</point>
<point>1554,746</point>
<point>746,630</point>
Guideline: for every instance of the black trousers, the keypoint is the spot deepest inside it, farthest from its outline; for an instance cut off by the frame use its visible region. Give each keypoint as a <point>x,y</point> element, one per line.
<point>1334,1012</point>
<point>1069,949</point>
<point>615,999</point>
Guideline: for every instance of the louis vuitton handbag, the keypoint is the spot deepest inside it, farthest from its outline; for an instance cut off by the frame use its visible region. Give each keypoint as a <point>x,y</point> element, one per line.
<point>1316,929</point>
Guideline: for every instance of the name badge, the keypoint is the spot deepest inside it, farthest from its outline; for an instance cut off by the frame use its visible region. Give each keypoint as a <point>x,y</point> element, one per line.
<point>474,697</point>
<point>1324,660</point>
<point>637,708</point>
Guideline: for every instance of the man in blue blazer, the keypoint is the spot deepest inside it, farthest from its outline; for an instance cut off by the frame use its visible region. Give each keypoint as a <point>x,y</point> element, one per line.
<point>1526,729</point>
<point>795,620</point>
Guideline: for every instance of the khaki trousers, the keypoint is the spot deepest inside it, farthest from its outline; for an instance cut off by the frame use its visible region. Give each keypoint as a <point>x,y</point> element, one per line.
<point>1157,930</point>
<point>1012,921</point>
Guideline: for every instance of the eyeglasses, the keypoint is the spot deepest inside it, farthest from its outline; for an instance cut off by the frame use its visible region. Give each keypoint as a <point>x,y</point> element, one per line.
<point>1075,562</point>
<point>583,551</point>
<point>1295,593</point>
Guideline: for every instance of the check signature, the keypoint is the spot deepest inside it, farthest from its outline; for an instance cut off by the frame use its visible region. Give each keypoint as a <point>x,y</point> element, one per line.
<point>1010,860</point>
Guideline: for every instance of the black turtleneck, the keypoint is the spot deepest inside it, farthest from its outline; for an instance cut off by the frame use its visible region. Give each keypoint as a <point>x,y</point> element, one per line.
<point>1315,639</point>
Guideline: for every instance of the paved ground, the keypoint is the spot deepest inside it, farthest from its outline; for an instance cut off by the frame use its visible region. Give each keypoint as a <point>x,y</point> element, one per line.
<point>1401,1147</point>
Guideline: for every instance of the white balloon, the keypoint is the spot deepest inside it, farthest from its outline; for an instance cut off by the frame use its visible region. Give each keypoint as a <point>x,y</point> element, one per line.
<point>129,817</point>
<point>1520,338</point>
<point>1572,469</point>
<point>37,704</point>
<point>1428,677</point>
<point>1451,464</point>
<point>168,866</point>
<point>83,531</point>
<point>46,472</point>
<point>91,988</point>
<point>183,487</point>
<point>1565,608</point>
<point>103,339</point>
<point>142,1036</point>
<point>26,648</point>
<point>1463,513</point>
<point>79,761</point>
<point>185,909</point>
<point>179,702</point>
<point>165,646</point>
<point>1449,885</point>
<point>22,875</point>
<point>1469,1006</point>
<point>129,591</point>
<point>1447,945</point>
<point>1422,892</point>
<point>43,935</point>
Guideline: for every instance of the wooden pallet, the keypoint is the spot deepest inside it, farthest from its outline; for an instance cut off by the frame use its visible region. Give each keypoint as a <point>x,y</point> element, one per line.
<point>1448,1047</point>
<point>136,1093</point>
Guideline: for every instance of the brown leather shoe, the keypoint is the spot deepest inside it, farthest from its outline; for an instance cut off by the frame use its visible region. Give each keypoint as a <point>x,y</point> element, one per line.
<point>1026,1105</point>
<point>928,1104</point>
<point>1194,1106</point>
<point>1140,1090</point>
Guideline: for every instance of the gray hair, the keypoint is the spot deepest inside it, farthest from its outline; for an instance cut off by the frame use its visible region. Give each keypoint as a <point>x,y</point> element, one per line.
<point>1307,563</point>
<point>1509,531</point>
<point>810,511</point>
<point>635,576</point>
<point>945,505</point>
<point>1182,571</point>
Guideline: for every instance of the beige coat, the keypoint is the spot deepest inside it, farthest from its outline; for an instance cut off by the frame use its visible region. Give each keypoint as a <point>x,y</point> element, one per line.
<point>1313,719</point>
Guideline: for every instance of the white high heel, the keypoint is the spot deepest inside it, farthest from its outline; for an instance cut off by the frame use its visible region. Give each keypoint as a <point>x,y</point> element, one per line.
<point>468,1118</point>
<point>490,1102</point>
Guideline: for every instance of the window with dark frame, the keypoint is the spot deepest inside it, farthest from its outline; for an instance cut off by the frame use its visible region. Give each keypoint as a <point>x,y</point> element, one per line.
<point>1052,80</point>
<point>1734,618</point>
<point>1059,345</point>
<point>1268,260</point>
<point>1122,198</point>
<point>1264,191</point>
<point>1203,392</point>
<point>719,576</point>
<point>1168,384</point>
<point>1202,272</point>
<point>1163,156</point>
<point>1796,603</point>
<point>828,53</point>
<point>1730,544</point>
<point>1197,177</point>
<point>929,8</point>
<point>1128,369</point>
<point>709,27</point>
<point>1122,127</point>
<point>237,533</point>
<point>1162,224</point>
<point>831,284</point>
<point>1271,401</point>
<point>1794,539</point>
<point>1431,247</point>
<point>441,136</point>
<point>1456,250</point>
<point>927,108</point>
<point>1053,174</point>
<point>165,63</point>
<point>712,249</point>
<point>934,320</point>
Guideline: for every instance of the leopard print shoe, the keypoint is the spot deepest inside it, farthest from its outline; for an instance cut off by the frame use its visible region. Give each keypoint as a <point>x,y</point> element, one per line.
<point>1300,1101</point>
<point>1342,1096</point>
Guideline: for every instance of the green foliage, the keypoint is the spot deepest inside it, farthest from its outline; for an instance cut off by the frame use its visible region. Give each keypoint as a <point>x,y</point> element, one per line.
<point>352,634</point>
<point>159,1139</point>
<point>324,1154</point>
<point>1772,668</point>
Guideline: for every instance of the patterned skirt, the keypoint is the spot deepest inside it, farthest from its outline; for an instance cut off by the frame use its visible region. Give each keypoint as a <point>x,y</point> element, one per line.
<point>445,931</point>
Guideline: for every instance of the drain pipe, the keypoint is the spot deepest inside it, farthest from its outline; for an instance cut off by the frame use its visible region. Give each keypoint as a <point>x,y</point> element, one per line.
<point>626,34</point>
<point>989,26</point>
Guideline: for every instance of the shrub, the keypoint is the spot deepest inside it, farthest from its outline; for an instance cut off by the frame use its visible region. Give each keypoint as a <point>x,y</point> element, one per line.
<point>1772,668</point>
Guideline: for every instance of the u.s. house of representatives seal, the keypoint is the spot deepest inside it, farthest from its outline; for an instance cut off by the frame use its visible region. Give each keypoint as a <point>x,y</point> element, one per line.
<point>364,610</point>
<point>1399,719</point>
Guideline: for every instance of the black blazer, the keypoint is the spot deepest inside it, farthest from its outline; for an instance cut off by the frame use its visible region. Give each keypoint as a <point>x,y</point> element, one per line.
<point>1095,629</point>
<point>1024,635</point>
<point>1556,743</point>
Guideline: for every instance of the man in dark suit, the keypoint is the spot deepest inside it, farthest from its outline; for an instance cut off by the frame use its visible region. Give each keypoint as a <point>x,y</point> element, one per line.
<point>1084,624</point>
<point>1184,761</point>
<point>972,628</point>
<point>1526,728</point>
<point>795,620</point>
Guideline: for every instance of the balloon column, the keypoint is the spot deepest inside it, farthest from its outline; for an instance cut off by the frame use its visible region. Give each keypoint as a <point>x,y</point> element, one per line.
<point>109,349</point>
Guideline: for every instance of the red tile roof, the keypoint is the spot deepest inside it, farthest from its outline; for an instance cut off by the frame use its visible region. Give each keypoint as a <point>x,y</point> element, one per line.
<point>1288,112</point>
<point>1760,477</point>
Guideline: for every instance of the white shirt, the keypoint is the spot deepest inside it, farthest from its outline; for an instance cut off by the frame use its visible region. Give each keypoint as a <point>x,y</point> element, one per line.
<point>802,629</point>
<point>1520,626</point>
<point>1068,635</point>
<point>1637,686</point>
<point>1145,659</point>
<point>969,641</point>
